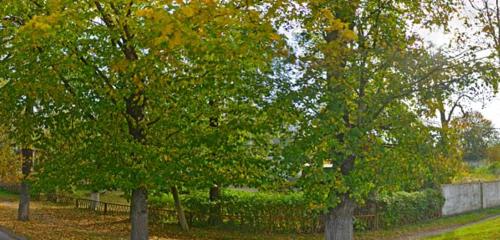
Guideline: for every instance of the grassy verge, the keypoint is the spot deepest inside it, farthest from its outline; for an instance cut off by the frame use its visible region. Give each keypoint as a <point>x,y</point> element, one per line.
<point>480,231</point>
<point>432,225</point>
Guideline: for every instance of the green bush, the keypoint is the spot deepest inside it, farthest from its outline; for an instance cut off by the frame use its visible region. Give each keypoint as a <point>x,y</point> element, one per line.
<point>264,211</point>
<point>292,212</point>
<point>494,168</point>
<point>267,210</point>
<point>402,208</point>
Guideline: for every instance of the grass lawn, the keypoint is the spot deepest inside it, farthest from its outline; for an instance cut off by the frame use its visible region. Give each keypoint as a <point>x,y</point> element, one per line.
<point>110,196</point>
<point>480,231</point>
<point>51,222</point>
<point>432,225</point>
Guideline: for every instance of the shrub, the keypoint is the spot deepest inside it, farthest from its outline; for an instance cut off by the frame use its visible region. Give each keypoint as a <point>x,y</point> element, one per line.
<point>293,213</point>
<point>402,208</point>
<point>264,211</point>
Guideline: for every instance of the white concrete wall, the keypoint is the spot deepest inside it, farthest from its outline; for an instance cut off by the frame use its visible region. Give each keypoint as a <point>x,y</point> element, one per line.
<point>491,194</point>
<point>460,198</point>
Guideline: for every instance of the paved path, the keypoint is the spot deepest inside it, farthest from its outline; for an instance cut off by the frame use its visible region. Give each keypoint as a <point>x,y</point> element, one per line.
<point>5,236</point>
<point>422,235</point>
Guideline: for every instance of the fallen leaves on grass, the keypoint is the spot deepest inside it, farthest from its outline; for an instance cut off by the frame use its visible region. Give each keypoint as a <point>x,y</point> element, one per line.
<point>54,222</point>
<point>51,222</point>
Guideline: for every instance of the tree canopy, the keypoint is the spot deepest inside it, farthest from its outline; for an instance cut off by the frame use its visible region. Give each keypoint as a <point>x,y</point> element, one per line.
<point>147,95</point>
<point>477,134</point>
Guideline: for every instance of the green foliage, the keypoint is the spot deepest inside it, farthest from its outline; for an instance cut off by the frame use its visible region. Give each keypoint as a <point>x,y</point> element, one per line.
<point>266,211</point>
<point>125,89</point>
<point>293,212</point>
<point>484,16</point>
<point>7,195</point>
<point>493,153</point>
<point>477,134</point>
<point>486,172</point>
<point>402,208</point>
<point>151,94</point>
<point>494,168</point>
<point>10,163</point>
<point>366,73</point>
<point>143,95</point>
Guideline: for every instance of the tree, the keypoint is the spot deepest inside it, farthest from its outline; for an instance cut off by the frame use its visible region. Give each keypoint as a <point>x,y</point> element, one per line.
<point>363,68</point>
<point>446,104</point>
<point>410,156</point>
<point>484,15</point>
<point>22,121</point>
<point>10,163</point>
<point>450,102</point>
<point>477,134</point>
<point>493,153</point>
<point>179,210</point>
<point>123,86</point>
<point>19,110</point>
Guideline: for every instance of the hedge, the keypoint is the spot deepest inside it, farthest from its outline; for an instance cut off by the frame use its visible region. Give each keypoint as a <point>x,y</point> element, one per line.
<point>262,211</point>
<point>402,208</point>
<point>291,212</point>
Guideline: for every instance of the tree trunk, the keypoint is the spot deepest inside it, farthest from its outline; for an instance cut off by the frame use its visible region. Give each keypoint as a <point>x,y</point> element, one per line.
<point>24,195</point>
<point>139,215</point>
<point>95,197</point>
<point>24,202</point>
<point>215,217</point>
<point>139,206</point>
<point>178,208</point>
<point>339,221</point>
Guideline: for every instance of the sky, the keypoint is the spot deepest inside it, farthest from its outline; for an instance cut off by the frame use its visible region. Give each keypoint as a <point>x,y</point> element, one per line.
<point>490,109</point>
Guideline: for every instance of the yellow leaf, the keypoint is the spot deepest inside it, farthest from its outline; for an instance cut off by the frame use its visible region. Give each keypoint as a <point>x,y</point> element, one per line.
<point>275,37</point>
<point>209,2</point>
<point>120,66</point>
<point>188,11</point>
<point>167,29</point>
<point>148,12</point>
<point>350,35</point>
<point>54,4</point>
<point>175,41</point>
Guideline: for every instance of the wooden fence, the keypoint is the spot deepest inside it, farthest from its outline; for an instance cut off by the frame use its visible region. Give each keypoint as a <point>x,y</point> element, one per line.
<point>263,221</point>
<point>156,215</point>
<point>366,218</point>
<point>10,187</point>
<point>269,222</point>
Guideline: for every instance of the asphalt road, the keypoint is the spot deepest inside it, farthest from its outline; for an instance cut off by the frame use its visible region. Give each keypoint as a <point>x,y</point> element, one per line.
<point>5,236</point>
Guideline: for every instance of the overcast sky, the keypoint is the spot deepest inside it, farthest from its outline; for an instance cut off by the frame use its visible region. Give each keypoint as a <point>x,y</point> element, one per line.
<point>489,109</point>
